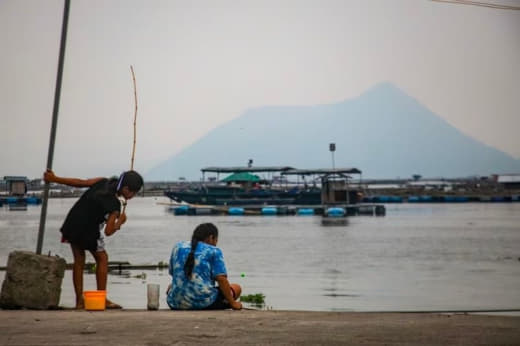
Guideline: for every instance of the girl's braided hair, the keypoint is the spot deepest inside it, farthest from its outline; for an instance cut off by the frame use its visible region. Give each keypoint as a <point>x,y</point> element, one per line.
<point>201,232</point>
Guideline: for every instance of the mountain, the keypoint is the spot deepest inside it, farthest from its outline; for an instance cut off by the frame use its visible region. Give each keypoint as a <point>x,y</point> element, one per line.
<point>384,132</point>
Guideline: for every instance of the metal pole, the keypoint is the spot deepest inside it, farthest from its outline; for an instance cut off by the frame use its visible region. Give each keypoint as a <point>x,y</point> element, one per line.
<point>57,93</point>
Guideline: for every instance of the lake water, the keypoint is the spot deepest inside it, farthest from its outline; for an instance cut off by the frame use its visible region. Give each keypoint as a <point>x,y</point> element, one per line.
<point>417,257</point>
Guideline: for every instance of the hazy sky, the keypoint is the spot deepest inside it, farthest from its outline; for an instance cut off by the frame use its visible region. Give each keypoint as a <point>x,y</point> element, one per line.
<point>202,63</point>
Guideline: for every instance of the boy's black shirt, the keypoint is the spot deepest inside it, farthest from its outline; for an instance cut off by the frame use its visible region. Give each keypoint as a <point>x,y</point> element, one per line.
<point>82,224</point>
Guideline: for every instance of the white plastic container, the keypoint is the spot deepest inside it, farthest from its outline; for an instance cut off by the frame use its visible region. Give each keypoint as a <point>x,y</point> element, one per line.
<point>153,296</point>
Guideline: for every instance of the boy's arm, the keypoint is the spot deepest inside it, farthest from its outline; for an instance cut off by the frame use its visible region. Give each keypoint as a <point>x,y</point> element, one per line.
<point>223,285</point>
<point>50,177</point>
<point>114,222</point>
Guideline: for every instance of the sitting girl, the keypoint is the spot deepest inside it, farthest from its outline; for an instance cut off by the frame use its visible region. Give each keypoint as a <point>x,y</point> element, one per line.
<point>194,268</point>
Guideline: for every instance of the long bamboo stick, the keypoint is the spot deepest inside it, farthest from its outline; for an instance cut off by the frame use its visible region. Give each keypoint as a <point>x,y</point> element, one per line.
<point>135,125</point>
<point>135,118</point>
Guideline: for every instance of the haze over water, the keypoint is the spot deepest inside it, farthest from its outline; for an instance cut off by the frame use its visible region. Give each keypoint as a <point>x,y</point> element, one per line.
<point>417,257</point>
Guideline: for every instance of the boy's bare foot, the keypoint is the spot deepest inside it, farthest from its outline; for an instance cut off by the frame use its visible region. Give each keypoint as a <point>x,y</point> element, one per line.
<point>80,305</point>
<point>111,305</point>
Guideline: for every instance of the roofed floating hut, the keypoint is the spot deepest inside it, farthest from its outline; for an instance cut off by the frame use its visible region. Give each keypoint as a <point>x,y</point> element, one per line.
<point>16,193</point>
<point>243,187</point>
<point>244,192</point>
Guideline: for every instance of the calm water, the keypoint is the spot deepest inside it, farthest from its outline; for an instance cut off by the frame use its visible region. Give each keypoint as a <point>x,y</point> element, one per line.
<point>417,257</point>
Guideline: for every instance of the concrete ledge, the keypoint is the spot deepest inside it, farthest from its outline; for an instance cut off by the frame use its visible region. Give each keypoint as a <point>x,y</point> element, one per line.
<point>163,327</point>
<point>32,281</point>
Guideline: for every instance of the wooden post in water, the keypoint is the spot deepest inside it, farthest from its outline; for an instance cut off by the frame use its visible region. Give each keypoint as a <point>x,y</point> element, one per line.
<point>57,93</point>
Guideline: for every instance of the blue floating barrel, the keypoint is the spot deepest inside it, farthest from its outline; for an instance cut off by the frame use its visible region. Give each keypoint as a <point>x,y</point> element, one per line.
<point>396,199</point>
<point>236,211</point>
<point>335,212</point>
<point>305,211</point>
<point>182,210</point>
<point>455,199</point>
<point>384,199</point>
<point>426,199</point>
<point>33,200</point>
<point>413,199</point>
<point>269,211</point>
<point>11,200</point>
<point>449,198</point>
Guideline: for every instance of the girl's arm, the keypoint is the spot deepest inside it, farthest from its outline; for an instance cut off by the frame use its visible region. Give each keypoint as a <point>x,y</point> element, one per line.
<point>114,222</point>
<point>223,285</point>
<point>50,177</point>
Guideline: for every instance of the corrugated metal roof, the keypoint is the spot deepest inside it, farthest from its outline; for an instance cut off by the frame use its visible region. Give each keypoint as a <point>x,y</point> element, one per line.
<point>239,169</point>
<point>430,182</point>
<point>322,171</point>
<point>15,178</point>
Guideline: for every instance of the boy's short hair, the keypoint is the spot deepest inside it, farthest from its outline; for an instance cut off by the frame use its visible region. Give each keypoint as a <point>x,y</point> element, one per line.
<point>133,180</point>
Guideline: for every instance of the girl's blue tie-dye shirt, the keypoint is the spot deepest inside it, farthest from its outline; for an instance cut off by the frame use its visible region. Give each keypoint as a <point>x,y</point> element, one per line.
<point>200,291</point>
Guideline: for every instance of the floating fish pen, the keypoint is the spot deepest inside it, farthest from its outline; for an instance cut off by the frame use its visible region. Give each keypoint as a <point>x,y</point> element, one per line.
<point>337,198</point>
<point>303,211</point>
<point>349,210</point>
<point>16,196</point>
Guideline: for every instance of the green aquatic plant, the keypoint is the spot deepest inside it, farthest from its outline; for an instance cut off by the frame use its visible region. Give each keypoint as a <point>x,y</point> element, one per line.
<point>91,268</point>
<point>257,298</point>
